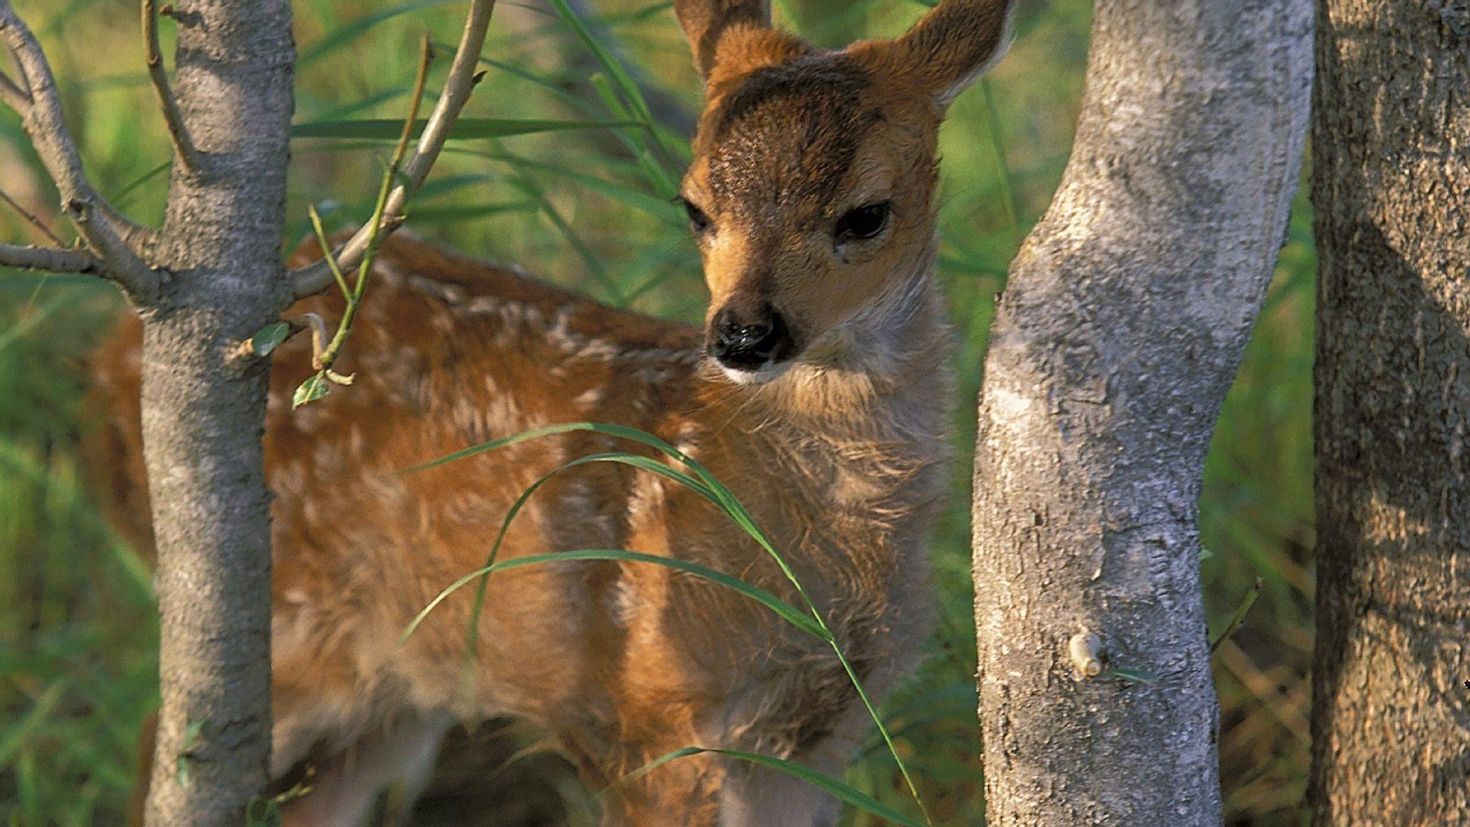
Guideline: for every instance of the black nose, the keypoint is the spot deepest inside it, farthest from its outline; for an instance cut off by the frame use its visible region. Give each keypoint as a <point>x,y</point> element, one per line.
<point>749,341</point>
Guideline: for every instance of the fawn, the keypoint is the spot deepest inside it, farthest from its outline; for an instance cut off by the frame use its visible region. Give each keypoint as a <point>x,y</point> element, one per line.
<point>817,392</point>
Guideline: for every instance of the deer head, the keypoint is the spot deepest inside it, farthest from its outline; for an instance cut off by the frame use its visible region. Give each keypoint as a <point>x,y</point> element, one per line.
<point>811,192</point>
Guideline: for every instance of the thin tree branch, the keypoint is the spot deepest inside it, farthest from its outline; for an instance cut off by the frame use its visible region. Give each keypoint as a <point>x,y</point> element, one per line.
<point>99,224</point>
<point>461,82</point>
<point>158,74</point>
<point>48,259</point>
<point>31,218</point>
<point>13,96</point>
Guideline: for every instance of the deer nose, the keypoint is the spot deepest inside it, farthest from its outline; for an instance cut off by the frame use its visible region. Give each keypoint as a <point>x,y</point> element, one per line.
<point>749,341</point>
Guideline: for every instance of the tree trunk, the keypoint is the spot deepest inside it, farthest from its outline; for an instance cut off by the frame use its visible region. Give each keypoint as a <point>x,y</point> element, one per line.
<point>1391,148</point>
<point>204,409</point>
<point>1120,329</point>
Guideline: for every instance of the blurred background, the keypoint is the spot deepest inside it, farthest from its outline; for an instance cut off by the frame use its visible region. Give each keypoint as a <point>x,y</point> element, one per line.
<point>588,204</point>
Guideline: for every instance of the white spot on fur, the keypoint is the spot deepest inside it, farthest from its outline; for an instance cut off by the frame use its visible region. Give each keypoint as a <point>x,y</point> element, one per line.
<point>765,373</point>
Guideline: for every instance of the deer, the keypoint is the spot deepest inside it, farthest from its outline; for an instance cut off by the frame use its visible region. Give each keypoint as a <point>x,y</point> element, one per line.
<point>817,390</point>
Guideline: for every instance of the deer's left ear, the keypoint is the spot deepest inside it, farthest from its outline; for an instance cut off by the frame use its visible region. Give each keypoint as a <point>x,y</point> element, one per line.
<point>948,48</point>
<point>705,21</point>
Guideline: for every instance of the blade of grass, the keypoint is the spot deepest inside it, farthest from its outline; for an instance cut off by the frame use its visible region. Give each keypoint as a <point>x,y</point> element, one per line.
<point>661,208</point>
<point>633,460</point>
<point>738,514</point>
<point>386,129</point>
<point>32,721</point>
<point>590,260</point>
<point>1002,166</point>
<point>775,604</point>
<point>344,35</point>
<point>1239,616</point>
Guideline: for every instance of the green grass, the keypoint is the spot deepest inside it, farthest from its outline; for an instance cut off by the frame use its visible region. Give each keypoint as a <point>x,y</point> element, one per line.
<point>77,635</point>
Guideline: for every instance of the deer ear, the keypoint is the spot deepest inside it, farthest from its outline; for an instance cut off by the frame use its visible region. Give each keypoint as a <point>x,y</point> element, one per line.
<point>705,21</point>
<point>950,46</point>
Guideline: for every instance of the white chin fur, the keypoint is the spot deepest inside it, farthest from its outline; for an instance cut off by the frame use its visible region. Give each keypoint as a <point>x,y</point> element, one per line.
<point>760,376</point>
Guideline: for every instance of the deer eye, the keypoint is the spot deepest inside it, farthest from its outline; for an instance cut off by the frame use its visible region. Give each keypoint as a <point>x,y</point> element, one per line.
<point>698,221</point>
<point>864,222</point>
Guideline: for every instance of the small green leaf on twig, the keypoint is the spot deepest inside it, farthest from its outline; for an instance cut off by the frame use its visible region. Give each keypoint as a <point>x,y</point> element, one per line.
<point>269,338</point>
<point>1134,675</point>
<point>314,388</point>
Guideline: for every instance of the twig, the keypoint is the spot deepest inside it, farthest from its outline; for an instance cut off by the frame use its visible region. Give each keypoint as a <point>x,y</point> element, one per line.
<point>31,218</point>
<point>98,223</point>
<point>457,88</point>
<point>158,74</point>
<point>327,255</point>
<point>324,358</point>
<point>1239,616</point>
<point>13,96</point>
<point>48,259</point>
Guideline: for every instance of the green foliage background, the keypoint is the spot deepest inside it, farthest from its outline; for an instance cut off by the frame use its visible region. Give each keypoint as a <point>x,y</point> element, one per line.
<point>591,209</point>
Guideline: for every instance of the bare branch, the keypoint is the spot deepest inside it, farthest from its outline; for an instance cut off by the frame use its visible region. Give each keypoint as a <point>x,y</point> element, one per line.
<point>158,74</point>
<point>48,259</point>
<point>31,218</point>
<point>13,96</point>
<point>96,221</point>
<point>457,88</point>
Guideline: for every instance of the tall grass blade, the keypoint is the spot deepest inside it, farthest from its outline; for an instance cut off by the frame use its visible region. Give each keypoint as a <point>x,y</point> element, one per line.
<point>732,507</point>
<point>386,129</point>
<point>783,609</point>
<point>1239,617</point>
<point>357,28</point>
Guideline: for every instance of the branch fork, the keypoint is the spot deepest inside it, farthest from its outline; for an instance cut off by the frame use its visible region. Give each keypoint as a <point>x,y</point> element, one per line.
<point>106,232</point>
<point>463,77</point>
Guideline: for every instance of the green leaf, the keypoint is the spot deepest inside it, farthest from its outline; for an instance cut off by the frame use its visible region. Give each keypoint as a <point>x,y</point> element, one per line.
<point>268,338</point>
<point>191,737</point>
<point>840,790</point>
<point>388,129</point>
<point>314,388</point>
<point>1134,675</point>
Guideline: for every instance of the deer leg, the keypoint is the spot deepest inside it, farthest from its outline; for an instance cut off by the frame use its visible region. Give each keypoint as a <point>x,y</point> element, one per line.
<point>345,786</point>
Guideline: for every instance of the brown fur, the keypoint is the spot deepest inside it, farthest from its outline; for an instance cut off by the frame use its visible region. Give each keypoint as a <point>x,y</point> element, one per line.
<point>839,460</point>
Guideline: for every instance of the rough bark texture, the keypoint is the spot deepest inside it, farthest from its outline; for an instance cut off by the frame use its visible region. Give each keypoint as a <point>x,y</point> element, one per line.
<point>203,410</point>
<point>1391,143</point>
<point>1118,334</point>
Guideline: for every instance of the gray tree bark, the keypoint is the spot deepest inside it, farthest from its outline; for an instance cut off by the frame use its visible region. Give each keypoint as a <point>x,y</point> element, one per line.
<point>1391,184</point>
<point>204,408</point>
<point>1119,332</point>
<point>204,285</point>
